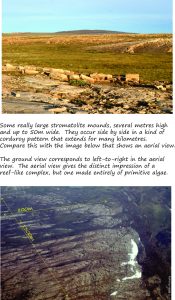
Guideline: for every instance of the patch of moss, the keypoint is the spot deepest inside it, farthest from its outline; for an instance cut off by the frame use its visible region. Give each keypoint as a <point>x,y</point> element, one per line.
<point>80,83</point>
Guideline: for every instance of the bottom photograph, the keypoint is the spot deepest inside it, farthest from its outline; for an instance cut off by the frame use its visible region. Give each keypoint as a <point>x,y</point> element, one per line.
<point>85,243</point>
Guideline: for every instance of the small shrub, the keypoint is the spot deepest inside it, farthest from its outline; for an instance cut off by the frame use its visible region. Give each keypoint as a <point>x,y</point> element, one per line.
<point>81,83</point>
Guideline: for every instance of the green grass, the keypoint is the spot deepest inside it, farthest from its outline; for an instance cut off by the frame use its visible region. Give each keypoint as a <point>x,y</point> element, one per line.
<point>76,57</point>
<point>159,213</point>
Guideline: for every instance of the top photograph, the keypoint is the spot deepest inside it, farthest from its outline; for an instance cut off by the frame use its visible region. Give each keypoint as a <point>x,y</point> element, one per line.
<point>87,57</point>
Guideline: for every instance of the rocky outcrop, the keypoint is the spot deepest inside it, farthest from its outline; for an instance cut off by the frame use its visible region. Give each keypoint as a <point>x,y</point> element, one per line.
<point>62,97</point>
<point>132,77</point>
<point>79,93</point>
<point>66,75</point>
<point>16,94</point>
<point>74,77</point>
<point>83,266</point>
<point>159,45</point>
<point>151,44</point>
<point>89,243</point>
<point>58,76</point>
<point>58,110</point>
<point>27,71</point>
<point>9,68</point>
<point>101,77</point>
<point>87,79</point>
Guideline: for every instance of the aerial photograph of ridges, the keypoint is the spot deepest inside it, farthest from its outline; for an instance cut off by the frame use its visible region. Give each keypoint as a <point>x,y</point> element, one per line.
<point>85,243</point>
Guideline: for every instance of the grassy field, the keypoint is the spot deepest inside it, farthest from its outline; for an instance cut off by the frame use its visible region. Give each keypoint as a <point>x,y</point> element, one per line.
<point>77,53</point>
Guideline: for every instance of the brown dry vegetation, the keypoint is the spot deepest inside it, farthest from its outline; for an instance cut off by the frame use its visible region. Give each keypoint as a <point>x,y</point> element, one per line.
<point>147,54</point>
<point>80,39</point>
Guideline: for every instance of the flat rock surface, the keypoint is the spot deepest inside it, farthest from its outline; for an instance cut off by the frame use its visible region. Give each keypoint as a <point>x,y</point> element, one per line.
<point>112,98</point>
